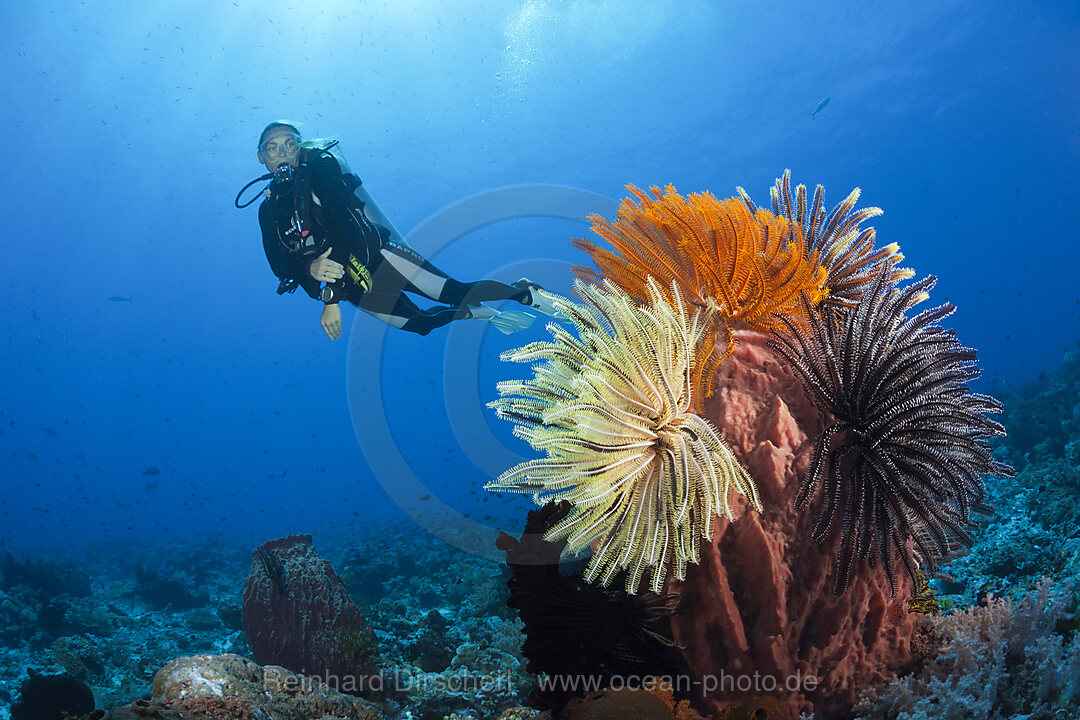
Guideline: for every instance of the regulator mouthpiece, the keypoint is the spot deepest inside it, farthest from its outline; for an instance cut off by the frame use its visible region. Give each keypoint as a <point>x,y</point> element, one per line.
<point>284,173</point>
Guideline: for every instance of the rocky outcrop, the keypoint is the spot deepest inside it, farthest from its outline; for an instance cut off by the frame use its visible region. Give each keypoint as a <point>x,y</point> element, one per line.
<point>231,687</point>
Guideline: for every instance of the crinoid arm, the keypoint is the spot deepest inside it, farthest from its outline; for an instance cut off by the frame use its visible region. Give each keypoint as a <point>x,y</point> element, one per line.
<point>901,468</point>
<point>746,263</point>
<point>843,248</point>
<point>610,408</point>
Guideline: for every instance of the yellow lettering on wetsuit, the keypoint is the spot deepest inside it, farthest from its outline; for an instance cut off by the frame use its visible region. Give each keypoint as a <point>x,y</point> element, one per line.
<point>359,273</point>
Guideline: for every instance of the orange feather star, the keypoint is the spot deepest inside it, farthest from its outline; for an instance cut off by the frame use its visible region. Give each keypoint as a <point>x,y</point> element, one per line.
<point>753,265</point>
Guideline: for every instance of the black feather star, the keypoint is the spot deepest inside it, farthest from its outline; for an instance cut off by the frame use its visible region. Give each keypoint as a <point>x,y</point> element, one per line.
<point>577,631</point>
<point>845,249</point>
<point>905,457</point>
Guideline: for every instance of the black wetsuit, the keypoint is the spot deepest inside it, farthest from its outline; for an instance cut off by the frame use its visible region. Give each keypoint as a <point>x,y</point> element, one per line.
<point>318,209</point>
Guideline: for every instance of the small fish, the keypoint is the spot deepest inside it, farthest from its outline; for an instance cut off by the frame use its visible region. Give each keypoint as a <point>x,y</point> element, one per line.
<point>121,298</point>
<point>48,431</point>
<point>820,106</point>
<point>151,470</point>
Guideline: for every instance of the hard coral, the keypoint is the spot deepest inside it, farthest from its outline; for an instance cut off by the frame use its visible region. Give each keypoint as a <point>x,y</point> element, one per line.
<point>612,408</point>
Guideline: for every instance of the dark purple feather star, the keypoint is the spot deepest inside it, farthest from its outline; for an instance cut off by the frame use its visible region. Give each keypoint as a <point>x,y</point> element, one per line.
<point>905,456</point>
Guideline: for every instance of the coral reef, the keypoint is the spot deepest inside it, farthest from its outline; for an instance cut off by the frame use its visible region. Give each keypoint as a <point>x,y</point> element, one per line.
<point>1035,527</point>
<point>431,649</point>
<point>904,458</point>
<point>464,659</point>
<point>297,613</point>
<point>120,640</point>
<point>43,578</point>
<point>114,639</point>
<point>1043,416</point>
<point>998,660</point>
<point>17,617</point>
<point>166,590</point>
<point>755,619</point>
<point>612,410</point>
<point>756,616</point>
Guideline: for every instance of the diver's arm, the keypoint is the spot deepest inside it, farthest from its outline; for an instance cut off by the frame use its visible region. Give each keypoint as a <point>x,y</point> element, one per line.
<point>311,287</point>
<point>331,320</point>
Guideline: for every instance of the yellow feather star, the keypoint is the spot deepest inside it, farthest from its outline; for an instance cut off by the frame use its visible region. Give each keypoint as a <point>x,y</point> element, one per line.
<point>611,408</point>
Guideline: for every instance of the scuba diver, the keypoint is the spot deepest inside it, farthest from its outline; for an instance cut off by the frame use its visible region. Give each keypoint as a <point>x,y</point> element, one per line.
<point>323,232</point>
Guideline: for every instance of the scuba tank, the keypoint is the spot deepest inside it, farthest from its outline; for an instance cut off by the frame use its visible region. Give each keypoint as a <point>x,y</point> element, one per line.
<point>371,208</point>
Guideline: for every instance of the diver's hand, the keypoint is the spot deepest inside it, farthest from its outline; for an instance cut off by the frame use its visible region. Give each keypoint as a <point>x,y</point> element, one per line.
<point>331,321</point>
<point>324,269</point>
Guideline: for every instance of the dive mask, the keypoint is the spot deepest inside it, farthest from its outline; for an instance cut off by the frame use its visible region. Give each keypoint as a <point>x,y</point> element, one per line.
<point>281,145</point>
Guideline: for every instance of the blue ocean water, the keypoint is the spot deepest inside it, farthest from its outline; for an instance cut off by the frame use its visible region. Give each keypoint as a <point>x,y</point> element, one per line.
<point>205,408</point>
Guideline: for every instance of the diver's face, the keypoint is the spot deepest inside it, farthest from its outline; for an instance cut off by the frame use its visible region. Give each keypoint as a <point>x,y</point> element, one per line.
<point>281,147</point>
